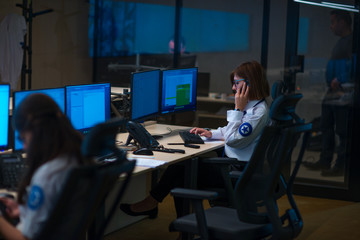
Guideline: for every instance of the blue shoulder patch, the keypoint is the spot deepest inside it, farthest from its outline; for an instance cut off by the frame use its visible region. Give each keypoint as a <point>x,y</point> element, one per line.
<point>245,129</point>
<point>36,197</point>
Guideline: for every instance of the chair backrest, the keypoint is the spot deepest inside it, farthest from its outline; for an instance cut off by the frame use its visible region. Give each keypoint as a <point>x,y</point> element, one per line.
<point>256,189</point>
<point>76,205</point>
<point>282,109</point>
<point>113,171</point>
<point>278,88</point>
<point>86,188</point>
<point>82,196</point>
<point>282,114</point>
<point>101,140</point>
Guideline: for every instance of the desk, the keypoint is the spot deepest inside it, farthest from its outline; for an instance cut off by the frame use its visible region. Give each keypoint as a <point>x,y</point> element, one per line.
<point>140,175</point>
<point>171,158</point>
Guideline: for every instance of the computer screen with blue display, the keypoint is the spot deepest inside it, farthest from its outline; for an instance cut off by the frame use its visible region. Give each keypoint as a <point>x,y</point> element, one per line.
<point>4,115</point>
<point>178,91</point>
<point>87,105</point>
<point>145,94</point>
<point>57,94</point>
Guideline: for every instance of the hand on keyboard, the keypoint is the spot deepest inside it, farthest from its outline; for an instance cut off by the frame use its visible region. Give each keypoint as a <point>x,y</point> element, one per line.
<point>204,132</point>
<point>190,138</point>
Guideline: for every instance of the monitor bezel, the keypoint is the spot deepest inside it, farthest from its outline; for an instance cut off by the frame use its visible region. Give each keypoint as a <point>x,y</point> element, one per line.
<point>13,110</point>
<point>4,147</point>
<point>85,130</point>
<point>151,115</point>
<point>161,93</point>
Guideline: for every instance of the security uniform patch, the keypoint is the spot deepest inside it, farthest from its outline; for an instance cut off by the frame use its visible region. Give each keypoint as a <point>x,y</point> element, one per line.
<point>36,197</point>
<point>245,129</point>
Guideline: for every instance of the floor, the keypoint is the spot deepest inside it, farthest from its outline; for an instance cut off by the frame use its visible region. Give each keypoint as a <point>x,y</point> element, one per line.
<point>323,219</point>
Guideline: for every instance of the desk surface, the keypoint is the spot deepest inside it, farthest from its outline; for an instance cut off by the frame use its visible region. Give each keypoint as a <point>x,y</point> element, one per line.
<point>171,158</point>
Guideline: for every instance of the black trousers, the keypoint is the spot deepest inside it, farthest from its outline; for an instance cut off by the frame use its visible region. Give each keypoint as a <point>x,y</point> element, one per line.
<point>208,175</point>
<point>334,121</point>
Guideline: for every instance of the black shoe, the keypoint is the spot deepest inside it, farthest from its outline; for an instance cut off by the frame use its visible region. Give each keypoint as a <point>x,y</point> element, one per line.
<point>333,172</point>
<point>126,209</point>
<point>316,166</point>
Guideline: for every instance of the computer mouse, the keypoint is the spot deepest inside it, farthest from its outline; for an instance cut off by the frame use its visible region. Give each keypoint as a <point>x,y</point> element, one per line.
<point>143,151</point>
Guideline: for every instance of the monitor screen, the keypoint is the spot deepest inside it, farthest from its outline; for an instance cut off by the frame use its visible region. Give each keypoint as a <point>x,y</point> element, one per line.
<point>4,115</point>
<point>178,90</point>
<point>57,94</point>
<point>145,94</point>
<point>88,105</point>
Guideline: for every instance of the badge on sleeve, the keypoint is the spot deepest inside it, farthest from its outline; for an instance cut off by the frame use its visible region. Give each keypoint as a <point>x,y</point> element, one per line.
<point>245,129</point>
<point>36,197</point>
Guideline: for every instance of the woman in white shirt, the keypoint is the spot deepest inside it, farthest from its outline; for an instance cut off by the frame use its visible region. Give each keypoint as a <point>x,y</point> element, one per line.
<point>241,134</point>
<point>53,147</point>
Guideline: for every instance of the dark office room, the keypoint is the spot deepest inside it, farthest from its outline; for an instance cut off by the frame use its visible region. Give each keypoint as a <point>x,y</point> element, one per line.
<point>107,69</point>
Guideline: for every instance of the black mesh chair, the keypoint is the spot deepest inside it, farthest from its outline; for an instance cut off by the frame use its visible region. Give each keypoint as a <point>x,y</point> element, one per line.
<point>83,195</point>
<point>282,114</point>
<point>255,215</point>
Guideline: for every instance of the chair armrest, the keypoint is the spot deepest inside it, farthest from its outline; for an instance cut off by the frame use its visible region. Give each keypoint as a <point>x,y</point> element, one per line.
<point>196,197</point>
<point>193,194</point>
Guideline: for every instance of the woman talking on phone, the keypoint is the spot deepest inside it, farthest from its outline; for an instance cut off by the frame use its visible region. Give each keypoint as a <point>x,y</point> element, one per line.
<point>250,116</point>
<point>245,124</point>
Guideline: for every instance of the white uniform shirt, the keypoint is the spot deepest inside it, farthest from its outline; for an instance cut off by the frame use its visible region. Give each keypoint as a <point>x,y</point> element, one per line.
<point>42,192</point>
<point>243,130</point>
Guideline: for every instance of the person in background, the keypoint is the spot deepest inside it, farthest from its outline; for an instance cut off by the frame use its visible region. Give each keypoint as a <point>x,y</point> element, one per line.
<point>335,107</point>
<point>172,45</point>
<point>53,148</point>
<point>245,125</point>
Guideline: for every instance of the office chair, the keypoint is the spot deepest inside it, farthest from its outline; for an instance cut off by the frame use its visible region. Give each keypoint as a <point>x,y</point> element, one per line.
<point>255,215</point>
<point>282,113</point>
<point>86,187</point>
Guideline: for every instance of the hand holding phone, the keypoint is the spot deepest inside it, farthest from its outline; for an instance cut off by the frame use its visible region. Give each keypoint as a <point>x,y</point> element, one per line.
<point>242,95</point>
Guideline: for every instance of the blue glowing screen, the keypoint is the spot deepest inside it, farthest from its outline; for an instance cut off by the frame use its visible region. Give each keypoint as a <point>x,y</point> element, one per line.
<point>88,105</point>
<point>145,94</point>
<point>127,28</point>
<point>4,115</point>
<point>57,94</point>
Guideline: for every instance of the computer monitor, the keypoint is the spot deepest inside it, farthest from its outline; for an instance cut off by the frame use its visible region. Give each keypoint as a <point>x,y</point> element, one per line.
<point>88,105</point>
<point>178,91</point>
<point>144,95</point>
<point>203,84</point>
<point>57,94</point>
<point>4,115</point>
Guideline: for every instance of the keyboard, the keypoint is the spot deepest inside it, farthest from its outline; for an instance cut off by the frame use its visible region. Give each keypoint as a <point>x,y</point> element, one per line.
<point>190,138</point>
<point>12,168</point>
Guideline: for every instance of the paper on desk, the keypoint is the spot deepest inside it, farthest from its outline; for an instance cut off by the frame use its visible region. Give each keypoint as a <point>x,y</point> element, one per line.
<point>207,140</point>
<point>147,161</point>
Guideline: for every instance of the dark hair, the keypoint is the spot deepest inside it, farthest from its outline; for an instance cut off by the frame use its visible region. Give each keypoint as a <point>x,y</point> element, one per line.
<point>255,74</point>
<point>51,134</point>
<point>342,15</point>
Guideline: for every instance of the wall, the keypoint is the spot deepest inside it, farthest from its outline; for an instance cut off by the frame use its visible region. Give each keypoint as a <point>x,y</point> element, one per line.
<point>60,40</point>
<point>220,64</point>
<point>60,43</point>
